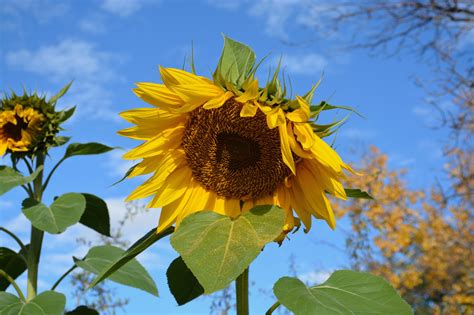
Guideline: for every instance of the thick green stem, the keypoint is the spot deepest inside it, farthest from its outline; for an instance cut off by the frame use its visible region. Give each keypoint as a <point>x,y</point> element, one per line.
<point>242,292</point>
<point>36,239</point>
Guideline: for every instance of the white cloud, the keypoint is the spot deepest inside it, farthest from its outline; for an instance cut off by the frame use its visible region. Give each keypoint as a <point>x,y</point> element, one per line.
<point>356,133</point>
<point>315,277</point>
<point>117,165</point>
<point>125,7</point>
<point>93,24</point>
<point>41,10</point>
<point>306,64</point>
<point>70,59</point>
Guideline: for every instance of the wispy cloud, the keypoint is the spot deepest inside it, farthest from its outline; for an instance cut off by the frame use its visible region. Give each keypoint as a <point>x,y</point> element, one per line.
<point>12,11</point>
<point>93,24</point>
<point>315,277</point>
<point>305,64</point>
<point>80,60</point>
<point>356,133</point>
<point>125,7</point>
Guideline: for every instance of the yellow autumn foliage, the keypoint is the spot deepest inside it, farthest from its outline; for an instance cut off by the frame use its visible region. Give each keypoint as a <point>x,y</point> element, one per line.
<point>422,242</point>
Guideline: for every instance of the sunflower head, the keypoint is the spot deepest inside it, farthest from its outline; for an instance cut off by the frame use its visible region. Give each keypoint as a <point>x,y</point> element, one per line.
<point>227,144</point>
<point>29,123</point>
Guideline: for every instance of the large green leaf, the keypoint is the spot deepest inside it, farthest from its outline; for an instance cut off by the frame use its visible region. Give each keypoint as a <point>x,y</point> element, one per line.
<point>82,310</point>
<point>217,249</point>
<point>12,263</point>
<point>9,178</point>
<point>96,214</point>
<point>357,193</point>
<point>139,246</point>
<point>48,302</point>
<point>236,61</point>
<point>182,283</point>
<point>345,292</point>
<point>63,212</point>
<point>86,149</point>
<point>132,274</point>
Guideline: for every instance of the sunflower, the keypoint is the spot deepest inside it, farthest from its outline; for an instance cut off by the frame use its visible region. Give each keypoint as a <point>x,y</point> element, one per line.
<point>227,145</point>
<point>19,128</point>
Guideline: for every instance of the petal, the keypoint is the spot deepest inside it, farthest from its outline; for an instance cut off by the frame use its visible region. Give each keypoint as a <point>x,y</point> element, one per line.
<point>250,94</point>
<point>173,187</point>
<point>218,101</point>
<point>285,148</point>
<point>249,110</point>
<point>305,135</point>
<point>164,141</point>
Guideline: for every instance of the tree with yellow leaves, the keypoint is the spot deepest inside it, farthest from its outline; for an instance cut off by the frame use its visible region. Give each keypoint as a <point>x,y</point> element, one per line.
<point>421,242</point>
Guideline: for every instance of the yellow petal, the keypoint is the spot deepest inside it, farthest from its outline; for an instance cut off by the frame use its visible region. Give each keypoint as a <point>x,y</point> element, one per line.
<point>167,140</point>
<point>173,188</point>
<point>3,148</point>
<point>164,168</point>
<point>197,201</point>
<point>218,101</point>
<point>275,118</point>
<point>305,135</point>
<point>285,148</point>
<point>301,114</point>
<point>250,94</point>
<point>249,109</point>
<point>296,146</point>
<point>158,95</point>
<point>172,77</point>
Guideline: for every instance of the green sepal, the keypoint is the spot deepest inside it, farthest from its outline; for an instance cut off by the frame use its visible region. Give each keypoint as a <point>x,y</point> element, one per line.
<point>60,94</point>
<point>235,64</point>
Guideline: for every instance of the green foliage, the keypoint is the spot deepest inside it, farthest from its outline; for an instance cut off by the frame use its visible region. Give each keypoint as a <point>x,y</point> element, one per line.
<point>132,274</point>
<point>182,283</point>
<point>48,302</point>
<point>217,249</point>
<point>82,310</point>
<point>235,64</point>
<point>9,178</point>
<point>12,263</point>
<point>86,149</point>
<point>63,212</point>
<point>357,193</point>
<point>139,246</point>
<point>96,214</point>
<point>345,292</point>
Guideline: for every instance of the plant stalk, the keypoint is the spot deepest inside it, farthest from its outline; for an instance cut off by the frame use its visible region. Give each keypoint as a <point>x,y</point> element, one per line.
<point>13,283</point>
<point>242,292</point>
<point>36,239</point>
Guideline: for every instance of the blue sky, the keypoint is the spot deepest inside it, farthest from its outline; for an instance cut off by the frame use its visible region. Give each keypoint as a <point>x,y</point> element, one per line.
<point>108,45</point>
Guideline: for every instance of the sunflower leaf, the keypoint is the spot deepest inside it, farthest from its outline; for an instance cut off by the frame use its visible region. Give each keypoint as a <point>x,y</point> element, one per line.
<point>12,263</point>
<point>236,62</point>
<point>182,283</point>
<point>86,149</point>
<point>96,214</point>
<point>345,292</point>
<point>132,273</point>
<point>357,193</point>
<point>217,248</point>
<point>48,302</point>
<point>60,94</point>
<point>139,246</point>
<point>63,212</point>
<point>9,178</point>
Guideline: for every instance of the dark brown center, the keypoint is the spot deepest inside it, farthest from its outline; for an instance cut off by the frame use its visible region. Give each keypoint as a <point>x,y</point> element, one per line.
<point>14,131</point>
<point>236,157</point>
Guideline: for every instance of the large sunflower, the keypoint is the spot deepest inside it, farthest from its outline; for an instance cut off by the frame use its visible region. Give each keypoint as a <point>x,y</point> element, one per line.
<point>228,145</point>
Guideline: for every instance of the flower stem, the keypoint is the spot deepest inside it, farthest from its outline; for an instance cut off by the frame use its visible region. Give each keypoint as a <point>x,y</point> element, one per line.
<point>273,308</point>
<point>13,283</point>
<point>36,239</point>
<point>62,277</point>
<point>242,291</point>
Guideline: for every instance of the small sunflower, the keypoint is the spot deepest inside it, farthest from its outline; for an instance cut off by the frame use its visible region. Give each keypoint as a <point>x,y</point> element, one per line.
<point>228,145</point>
<point>29,123</point>
<point>19,128</point>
